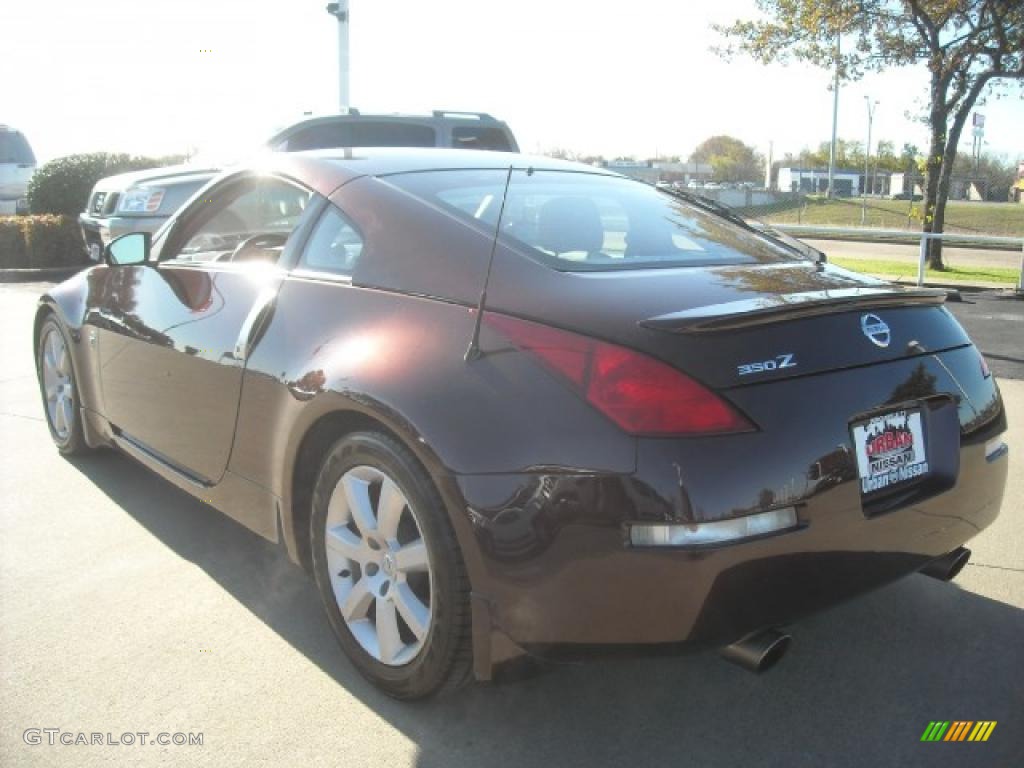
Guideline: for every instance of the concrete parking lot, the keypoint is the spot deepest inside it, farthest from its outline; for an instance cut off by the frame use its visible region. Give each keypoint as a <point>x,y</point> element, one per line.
<point>126,607</point>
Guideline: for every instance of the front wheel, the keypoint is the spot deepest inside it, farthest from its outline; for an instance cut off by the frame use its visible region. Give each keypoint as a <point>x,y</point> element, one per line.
<point>388,568</point>
<point>59,389</point>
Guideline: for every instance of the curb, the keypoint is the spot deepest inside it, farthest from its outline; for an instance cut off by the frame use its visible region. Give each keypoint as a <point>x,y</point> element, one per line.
<point>40,274</point>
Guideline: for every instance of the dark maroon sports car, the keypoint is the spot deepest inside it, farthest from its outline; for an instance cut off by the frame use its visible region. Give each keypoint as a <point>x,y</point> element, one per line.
<point>534,408</point>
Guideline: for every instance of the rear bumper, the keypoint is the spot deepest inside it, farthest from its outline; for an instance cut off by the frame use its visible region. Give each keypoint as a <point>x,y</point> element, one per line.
<point>559,574</point>
<point>553,569</point>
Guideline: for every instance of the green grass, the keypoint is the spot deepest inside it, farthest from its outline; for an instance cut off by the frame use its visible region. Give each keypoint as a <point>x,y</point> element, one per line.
<point>1000,219</point>
<point>895,269</point>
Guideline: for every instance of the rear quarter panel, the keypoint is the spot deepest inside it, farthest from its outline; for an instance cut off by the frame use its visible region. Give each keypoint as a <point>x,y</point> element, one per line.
<point>333,348</point>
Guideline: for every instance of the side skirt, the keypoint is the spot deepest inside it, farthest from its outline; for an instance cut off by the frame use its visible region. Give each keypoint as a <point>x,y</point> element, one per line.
<point>242,500</point>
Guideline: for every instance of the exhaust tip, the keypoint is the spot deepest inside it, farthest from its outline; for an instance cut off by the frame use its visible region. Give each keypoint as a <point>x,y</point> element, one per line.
<point>758,652</point>
<point>947,567</point>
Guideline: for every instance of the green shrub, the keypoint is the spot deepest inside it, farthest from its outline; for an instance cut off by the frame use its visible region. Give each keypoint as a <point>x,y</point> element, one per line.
<point>41,241</point>
<point>12,243</point>
<point>62,186</point>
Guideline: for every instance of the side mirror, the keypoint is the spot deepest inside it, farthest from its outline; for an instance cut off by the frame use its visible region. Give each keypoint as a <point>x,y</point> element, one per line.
<point>127,250</point>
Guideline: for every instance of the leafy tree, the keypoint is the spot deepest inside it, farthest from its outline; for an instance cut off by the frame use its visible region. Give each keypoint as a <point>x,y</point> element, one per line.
<point>730,159</point>
<point>909,157</point>
<point>966,45</point>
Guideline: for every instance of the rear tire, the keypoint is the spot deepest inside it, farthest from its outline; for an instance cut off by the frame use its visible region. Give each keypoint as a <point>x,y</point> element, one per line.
<point>388,568</point>
<point>59,389</point>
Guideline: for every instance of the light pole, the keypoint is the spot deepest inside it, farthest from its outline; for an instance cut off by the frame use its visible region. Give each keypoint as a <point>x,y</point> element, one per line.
<point>835,120</point>
<point>871,104</point>
<point>340,11</point>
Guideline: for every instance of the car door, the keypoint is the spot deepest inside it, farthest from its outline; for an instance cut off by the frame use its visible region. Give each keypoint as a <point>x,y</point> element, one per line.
<point>175,332</point>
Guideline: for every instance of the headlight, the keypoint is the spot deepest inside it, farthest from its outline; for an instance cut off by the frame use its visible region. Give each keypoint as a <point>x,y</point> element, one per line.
<point>141,200</point>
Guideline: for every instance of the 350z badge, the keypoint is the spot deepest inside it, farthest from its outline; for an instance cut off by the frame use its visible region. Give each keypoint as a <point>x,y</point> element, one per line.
<point>777,362</point>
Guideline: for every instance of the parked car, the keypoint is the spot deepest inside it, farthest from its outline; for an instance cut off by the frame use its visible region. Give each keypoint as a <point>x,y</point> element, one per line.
<point>546,410</point>
<point>143,200</point>
<point>17,164</point>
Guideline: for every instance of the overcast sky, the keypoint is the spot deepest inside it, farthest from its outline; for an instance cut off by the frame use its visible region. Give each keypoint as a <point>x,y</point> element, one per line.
<point>631,77</point>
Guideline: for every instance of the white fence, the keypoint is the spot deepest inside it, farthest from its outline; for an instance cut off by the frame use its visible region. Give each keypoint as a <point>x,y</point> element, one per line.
<point>875,235</point>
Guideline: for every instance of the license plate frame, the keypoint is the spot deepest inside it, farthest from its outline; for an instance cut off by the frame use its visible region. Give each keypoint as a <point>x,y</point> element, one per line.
<point>890,449</point>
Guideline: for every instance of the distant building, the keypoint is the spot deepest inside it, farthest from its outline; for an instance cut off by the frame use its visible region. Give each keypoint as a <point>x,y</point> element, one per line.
<point>654,171</point>
<point>684,172</point>
<point>642,171</point>
<point>814,181</point>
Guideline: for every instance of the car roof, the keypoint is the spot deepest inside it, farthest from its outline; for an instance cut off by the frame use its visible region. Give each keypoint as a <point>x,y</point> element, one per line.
<point>438,117</point>
<point>327,169</point>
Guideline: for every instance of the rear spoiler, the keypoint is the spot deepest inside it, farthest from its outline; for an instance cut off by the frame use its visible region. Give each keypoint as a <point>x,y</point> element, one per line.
<point>790,306</point>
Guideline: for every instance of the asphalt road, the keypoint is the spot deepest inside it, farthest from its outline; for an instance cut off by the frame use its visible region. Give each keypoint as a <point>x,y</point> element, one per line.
<point>126,606</point>
<point>910,253</point>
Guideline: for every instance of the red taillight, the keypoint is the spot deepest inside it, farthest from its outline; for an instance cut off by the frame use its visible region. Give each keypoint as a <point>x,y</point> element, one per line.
<point>642,395</point>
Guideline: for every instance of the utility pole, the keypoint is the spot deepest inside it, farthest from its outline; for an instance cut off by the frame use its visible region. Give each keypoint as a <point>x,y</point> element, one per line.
<point>867,155</point>
<point>768,167</point>
<point>340,11</point>
<point>835,121</point>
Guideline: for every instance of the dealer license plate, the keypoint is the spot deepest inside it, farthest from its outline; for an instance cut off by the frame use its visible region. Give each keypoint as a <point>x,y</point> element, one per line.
<point>890,450</point>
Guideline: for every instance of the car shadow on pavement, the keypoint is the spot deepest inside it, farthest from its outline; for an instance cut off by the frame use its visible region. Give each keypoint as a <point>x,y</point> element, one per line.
<point>858,687</point>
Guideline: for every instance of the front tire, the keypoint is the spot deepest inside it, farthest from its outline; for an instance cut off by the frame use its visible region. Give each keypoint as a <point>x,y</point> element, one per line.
<point>59,390</point>
<point>388,568</point>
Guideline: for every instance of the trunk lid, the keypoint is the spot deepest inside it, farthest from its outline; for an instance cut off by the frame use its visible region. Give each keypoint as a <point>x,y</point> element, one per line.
<point>744,324</point>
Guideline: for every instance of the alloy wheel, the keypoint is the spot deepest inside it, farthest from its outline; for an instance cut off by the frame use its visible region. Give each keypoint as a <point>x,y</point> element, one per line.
<point>58,385</point>
<point>379,565</point>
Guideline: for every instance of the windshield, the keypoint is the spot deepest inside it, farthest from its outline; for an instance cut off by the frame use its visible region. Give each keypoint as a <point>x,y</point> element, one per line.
<point>15,149</point>
<point>584,222</point>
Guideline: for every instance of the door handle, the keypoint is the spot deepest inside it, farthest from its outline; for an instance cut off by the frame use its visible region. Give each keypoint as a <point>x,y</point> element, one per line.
<point>261,308</point>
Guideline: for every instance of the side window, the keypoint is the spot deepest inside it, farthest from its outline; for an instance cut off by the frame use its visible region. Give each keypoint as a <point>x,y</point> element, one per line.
<point>334,247</point>
<point>361,133</point>
<point>480,137</point>
<point>251,222</point>
<point>321,136</point>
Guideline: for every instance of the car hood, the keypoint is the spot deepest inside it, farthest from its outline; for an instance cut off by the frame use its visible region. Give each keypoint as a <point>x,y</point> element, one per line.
<point>164,177</point>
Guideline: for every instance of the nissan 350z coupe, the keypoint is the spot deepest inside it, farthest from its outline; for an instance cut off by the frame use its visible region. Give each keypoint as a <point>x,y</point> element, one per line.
<point>501,405</point>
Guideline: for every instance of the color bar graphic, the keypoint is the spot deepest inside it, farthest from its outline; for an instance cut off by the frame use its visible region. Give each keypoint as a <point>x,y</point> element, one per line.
<point>958,730</point>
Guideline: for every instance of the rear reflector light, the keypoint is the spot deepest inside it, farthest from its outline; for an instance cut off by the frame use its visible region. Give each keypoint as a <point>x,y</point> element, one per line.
<point>995,449</point>
<point>985,372</point>
<point>642,395</point>
<point>716,532</point>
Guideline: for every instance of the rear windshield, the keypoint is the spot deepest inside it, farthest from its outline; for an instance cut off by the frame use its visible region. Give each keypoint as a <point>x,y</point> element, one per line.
<point>363,133</point>
<point>481,137</point>
<point>585,222</point>
<point>15,149</point>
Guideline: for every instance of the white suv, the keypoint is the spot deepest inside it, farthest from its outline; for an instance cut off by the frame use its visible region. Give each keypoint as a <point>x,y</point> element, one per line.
<point>17,164</point>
